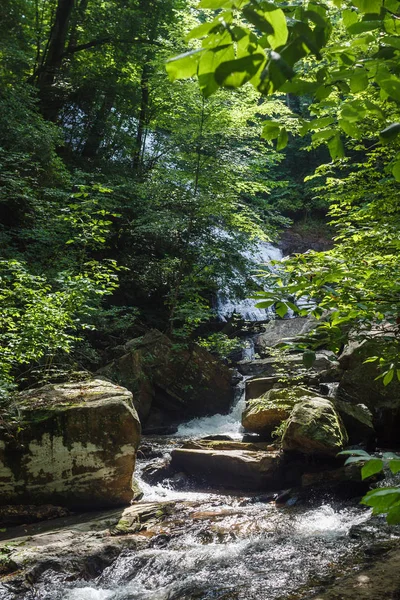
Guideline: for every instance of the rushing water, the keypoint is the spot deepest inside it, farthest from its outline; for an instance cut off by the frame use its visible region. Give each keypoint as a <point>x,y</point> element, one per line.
<point>262,254</point>
<point>257,552</point>
<point>226,547</point>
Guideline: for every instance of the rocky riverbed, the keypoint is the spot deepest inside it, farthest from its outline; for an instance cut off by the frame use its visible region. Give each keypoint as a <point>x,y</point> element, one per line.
<point>224,512</point>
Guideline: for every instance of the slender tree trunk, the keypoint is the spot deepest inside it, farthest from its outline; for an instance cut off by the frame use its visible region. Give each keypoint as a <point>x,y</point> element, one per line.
<point>137,159</point>
<point>52,60</point>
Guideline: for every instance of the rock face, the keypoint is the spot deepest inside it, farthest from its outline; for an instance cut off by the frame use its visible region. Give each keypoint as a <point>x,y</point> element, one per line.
<point>264,414</point>
<point>267,367</point>
<point>278,331</point>
<point>359,385</point>
<point>255,388</point>
<point>357,419</point>
<point>238,469</point>
<point>180,382</point>
<point>75,446</point>
<point>315,427</point>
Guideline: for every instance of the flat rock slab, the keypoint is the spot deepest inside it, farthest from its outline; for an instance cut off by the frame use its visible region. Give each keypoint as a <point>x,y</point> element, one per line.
<point>237,469</point>
<point>77,544</point>
<point>267,367</point>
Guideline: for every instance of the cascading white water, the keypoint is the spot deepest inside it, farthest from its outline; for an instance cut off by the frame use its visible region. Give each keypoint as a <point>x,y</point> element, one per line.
<point>262,255</point>
<point>218,424</point>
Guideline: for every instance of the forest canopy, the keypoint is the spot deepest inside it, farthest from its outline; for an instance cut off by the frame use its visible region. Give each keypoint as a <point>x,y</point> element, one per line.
<point>133,133</point>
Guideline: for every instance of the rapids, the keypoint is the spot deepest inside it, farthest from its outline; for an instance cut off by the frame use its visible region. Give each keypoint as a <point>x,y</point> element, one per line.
<point>220,546</point>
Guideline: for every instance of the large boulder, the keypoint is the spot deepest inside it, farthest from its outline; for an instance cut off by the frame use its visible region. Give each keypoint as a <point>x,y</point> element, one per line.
<point>72,445</point>
<point>359,385</point>
<point>357,419</point>
<point>184,381</point>
<point>237,469</point>
<point>262,415</point>
<point>315,427</point>
<point>281,330</point>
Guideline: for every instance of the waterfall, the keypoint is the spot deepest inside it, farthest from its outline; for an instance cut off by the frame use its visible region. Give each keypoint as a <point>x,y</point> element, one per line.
<point>262,255</point>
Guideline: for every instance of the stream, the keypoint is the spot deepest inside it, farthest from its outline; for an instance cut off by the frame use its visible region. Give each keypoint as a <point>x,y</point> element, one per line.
<point>228,546</point>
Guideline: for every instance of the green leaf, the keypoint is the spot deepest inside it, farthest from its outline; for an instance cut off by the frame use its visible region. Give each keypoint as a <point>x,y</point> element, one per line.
<point>359,80</point>
<point>283,139</point>
<point>394,465</point>
<point>276,17</point>
<point>265,304</point>
<point>393,516</point>
<point>396,170</point>
<point>381,499</point>
<point>202,30</point>
<point>349,17</point>
<point>281,309</point>
<point>234,73</point>
<point>270,130</point>
<point>390,133</point>
<point>391,86</point>
<point>363,26</point>
<point>184,65</point>
<point>354,453</point>
<point>373,466</point>
<point>215,4</point>
<point>388,377</point>
<point>335,147</point>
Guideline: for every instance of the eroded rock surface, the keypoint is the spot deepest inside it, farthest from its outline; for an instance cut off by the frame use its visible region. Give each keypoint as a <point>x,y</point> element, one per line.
<point>72,445</point>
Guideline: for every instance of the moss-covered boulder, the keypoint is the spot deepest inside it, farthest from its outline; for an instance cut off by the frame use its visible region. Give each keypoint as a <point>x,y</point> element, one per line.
<point>315,427</point>
<point>72,445</point>
<point>264,414</point>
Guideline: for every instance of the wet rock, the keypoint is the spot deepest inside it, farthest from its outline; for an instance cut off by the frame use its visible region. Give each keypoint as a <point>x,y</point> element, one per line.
<point>185,382</point>
<point>77,546</point>
<point>237,469</point>
<point>230,445</point>
<point>73,445</point>
<point>157,472</point>
<point>315,427</point>
<point>264,414</point>
<point>28,513</point>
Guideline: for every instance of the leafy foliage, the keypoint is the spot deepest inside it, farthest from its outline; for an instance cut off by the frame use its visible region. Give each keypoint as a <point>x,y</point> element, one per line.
<point>381,499</point>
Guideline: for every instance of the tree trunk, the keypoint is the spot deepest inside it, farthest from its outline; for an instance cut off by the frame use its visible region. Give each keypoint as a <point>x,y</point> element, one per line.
<point>137,159</point>
<point>52,60</point>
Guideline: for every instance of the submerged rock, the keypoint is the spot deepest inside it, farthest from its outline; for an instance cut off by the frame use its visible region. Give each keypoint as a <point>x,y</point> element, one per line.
<point>73,445</point>
<point>237,469</point>
<point>315,427</point>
